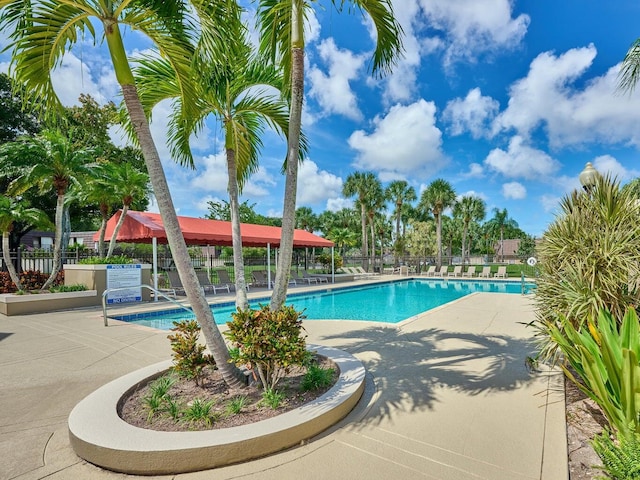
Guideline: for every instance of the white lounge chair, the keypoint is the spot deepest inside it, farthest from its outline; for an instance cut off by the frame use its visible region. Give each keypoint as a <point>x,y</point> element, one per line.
<point>442,272</point>
<point>457,271</point>
<point>430,272</point>
<point>501,273</point>
<point>471,271</point>
<point>486,272</point>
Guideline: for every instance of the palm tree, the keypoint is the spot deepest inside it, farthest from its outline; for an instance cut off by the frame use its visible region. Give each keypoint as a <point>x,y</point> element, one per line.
<point>399,192</point>
<point>48,162</point>
<point>629,73</point>
<point>130,184</point>
<point>281,25</point>
<point>498,223</point>
<point>12,211</point>
<point>437,197</point>
<point>374,204</point>
<point>306,219</point>
<point>358,184</point>
<point>45,31</point>
<point>469,208</point>
<point>343,238</point>
<point>238,97</point>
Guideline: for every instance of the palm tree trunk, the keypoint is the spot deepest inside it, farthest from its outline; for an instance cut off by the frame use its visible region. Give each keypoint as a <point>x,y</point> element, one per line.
<point>187,274</point>
<point>7,261</point>
<point>103,231</point>
<point>438,240</point>
<point>234,207</point>
<point>57,243</point>
<point>363,224</point>
<point>464,238</point>
<point>279,294</point>
<point>373,245</point>
<point>116,230</point>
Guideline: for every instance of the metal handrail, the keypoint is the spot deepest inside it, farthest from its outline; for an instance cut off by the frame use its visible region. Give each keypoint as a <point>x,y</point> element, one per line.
<point>157,292</point>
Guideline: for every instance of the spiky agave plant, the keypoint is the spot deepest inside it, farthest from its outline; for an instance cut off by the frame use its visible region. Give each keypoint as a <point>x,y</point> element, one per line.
<point>589,259</point>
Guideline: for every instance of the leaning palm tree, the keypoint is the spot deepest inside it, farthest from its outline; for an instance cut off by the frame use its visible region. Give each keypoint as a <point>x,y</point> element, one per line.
<point>50,163</point>
<point>241,97</point>
<point>130,185</point>
<point>44,30</point>
<point>281,25</point>
<point>469,208</point>
<point>12,211</point>
<point>399,192</point>
<point>437,197</point>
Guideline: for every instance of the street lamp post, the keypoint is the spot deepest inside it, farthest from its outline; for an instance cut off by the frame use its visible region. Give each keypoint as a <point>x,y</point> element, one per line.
<point>588,176</point>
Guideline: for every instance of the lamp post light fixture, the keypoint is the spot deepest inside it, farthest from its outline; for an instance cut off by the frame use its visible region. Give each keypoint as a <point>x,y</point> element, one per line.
<point>588,176</point>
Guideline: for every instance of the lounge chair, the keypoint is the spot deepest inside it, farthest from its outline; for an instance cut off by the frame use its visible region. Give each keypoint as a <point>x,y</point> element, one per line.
<point>306,274</point>
<point>260,278</point>
<point>486,272</point>
<point>176,283</point>
<point>205,283</point>
<point>457,271</point>
<point>361,271</point>
<point>430,272</point>
<point>225,279</point>
<point>471,271</point>
<point>501,273</point>
<point>300,279</point>
<point>443,270</point>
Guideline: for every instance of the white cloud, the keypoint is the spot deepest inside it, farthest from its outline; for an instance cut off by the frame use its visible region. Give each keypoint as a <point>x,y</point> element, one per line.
<point>521,161</point>
<point>550,203</point>
<point>260,184</point>
<point>606,164</point>
<point>405,141</point>
<point>473,113</point>
<point>211,174</point>
<point>514,190</point>
<point>338,203</point>
<point>315,185</point>
<point>547,97</point>
<point>75,76</point>
<point>469,28</point>
<point>332,90</point>
<point>475,171</point>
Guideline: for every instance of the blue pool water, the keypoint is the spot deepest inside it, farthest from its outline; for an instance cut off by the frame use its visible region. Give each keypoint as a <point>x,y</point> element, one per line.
<point>384,302</point>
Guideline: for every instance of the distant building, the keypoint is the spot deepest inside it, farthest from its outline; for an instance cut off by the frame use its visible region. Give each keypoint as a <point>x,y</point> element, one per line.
<point>37,239</point>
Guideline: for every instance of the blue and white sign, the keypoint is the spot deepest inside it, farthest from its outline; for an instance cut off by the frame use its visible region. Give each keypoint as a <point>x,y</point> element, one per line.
<point>126,280</point>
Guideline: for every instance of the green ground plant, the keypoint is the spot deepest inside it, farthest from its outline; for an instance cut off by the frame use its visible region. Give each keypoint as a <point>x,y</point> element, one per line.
<point>189,360</point>
<point>317,377</point>
<point>621,458</point>
<point>200,411</point>
<point>113,260</point>
<point>236,405</point>
<point>267,341</point>
<point>606,359</point>
<point>272,398</point>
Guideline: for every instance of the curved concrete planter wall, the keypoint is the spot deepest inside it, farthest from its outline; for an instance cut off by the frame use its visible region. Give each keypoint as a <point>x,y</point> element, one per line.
<point>101,437</point>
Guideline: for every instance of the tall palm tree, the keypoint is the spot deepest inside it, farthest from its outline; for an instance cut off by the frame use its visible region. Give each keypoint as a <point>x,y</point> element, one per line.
<point>130,185</point>
<point>48,162</point>
<point>437,197</point>
<point>374,204</point>
<point>281,25</point>
<point>469,208</point>
<point>306,219</point>
<point>399,192</point>
<point>499,223</point>
<point>45,30</point>
<point>12,211</point>
<point>358,184</point>
<point>241,97</point>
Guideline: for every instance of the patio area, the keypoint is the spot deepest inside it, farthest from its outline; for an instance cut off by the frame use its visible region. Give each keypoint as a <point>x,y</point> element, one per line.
<point>448,396</point>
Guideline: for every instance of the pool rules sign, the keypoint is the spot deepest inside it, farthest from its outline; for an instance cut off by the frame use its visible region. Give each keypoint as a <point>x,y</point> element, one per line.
<point>125,280</point>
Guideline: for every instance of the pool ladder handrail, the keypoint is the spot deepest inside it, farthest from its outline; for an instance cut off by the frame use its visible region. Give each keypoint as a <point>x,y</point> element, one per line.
<point>149,287</point>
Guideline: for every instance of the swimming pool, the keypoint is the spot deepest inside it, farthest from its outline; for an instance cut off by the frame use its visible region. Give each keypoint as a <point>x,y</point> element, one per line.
<point>382,302</point>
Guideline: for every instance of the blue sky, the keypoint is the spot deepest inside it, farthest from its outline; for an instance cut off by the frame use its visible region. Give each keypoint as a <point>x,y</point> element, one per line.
<point>506,100</point>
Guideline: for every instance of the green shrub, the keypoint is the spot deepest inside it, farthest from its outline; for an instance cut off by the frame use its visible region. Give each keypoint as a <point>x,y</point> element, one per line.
<point>621,459</point>
<point>200,411</point>
<point>325,260</point>
<point>272,398</point>
<point>270,342</point>
<point>588,259</point>
<point>607,361</point>
<point>189,361</point>
<point>317,377</point>
<point>113,260</point>
<point>69,288</point>
<point>236,405</point>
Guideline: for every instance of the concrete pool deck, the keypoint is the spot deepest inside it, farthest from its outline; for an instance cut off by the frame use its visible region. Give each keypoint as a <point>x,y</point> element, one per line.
<point>448,396</point>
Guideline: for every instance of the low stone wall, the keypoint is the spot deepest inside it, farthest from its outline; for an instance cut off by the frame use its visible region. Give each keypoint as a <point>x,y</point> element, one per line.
<point>12,304</point>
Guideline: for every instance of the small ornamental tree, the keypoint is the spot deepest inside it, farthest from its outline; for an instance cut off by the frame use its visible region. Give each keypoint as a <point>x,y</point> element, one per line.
<point>189,361</point>
<point>271,342</point>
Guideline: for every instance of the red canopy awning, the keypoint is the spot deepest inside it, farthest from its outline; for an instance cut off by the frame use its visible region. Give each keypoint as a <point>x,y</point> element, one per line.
<point>141,227</point>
